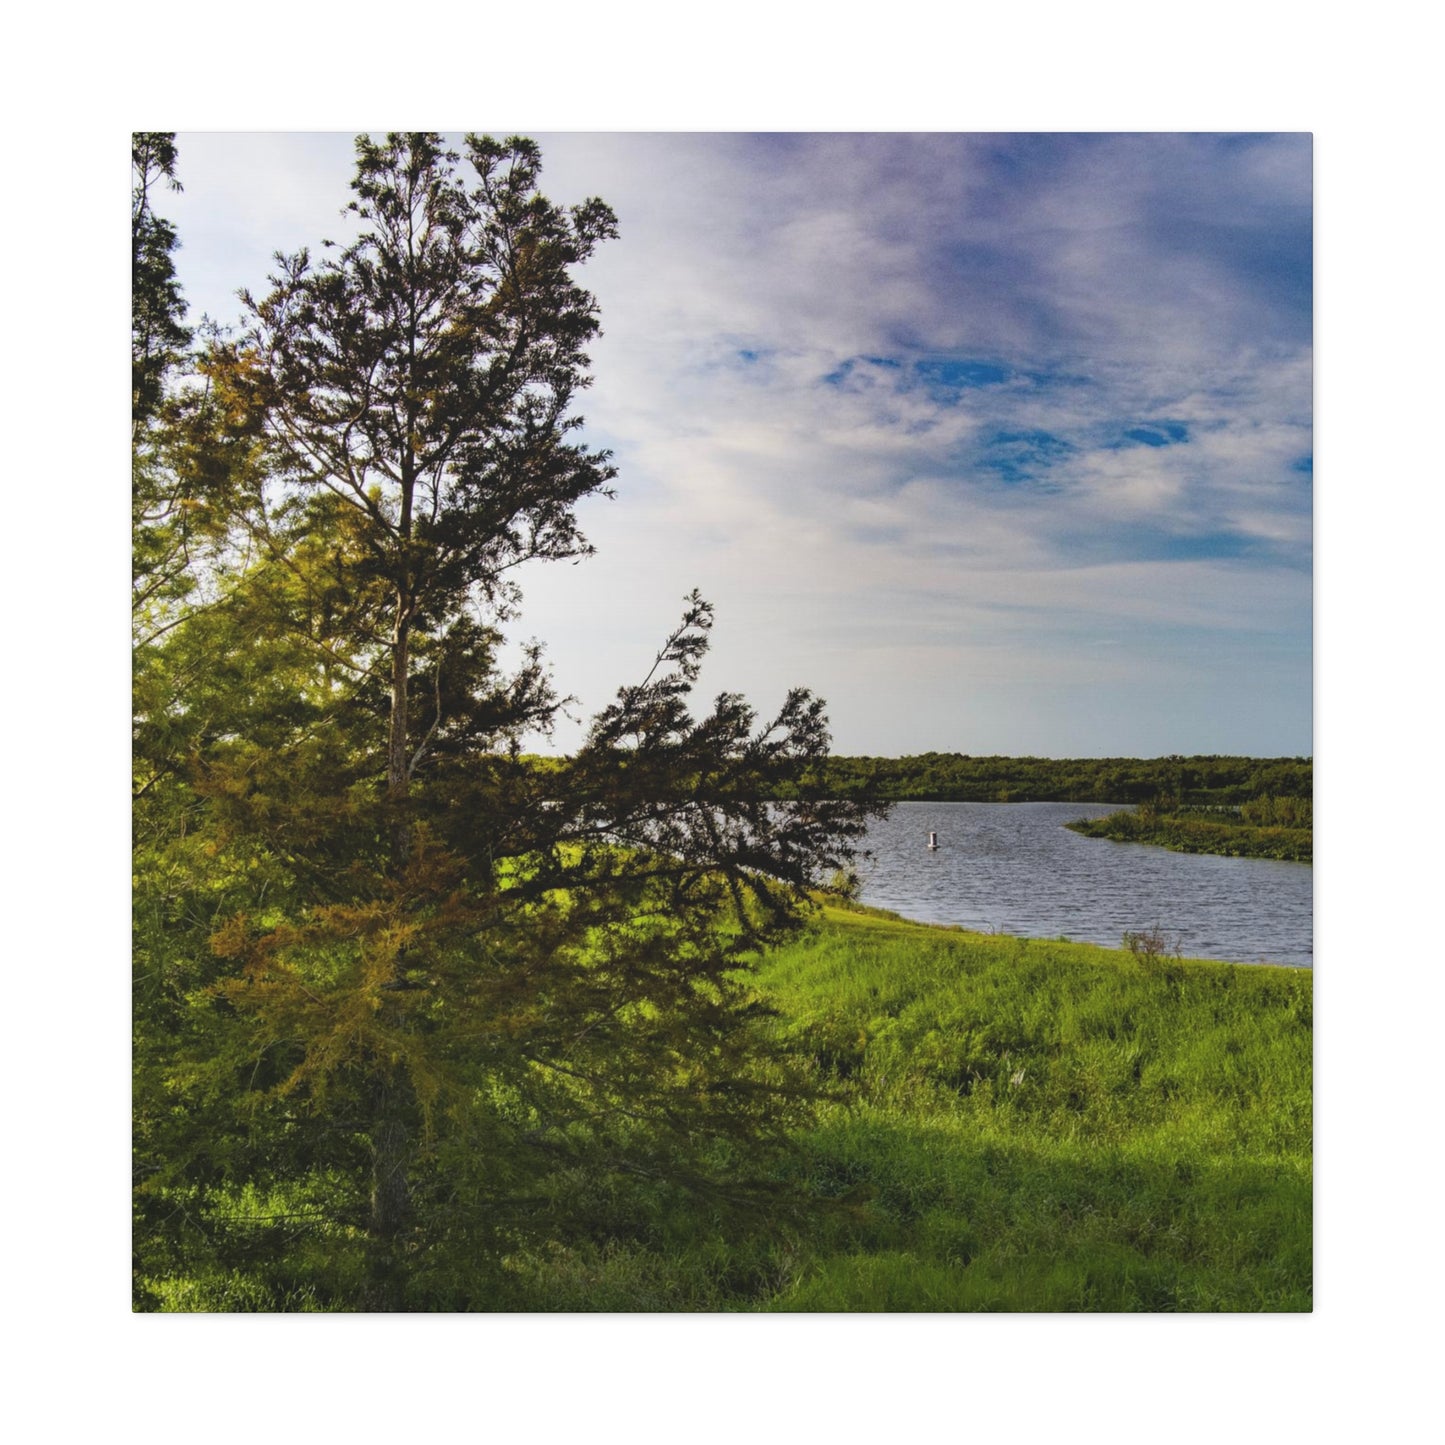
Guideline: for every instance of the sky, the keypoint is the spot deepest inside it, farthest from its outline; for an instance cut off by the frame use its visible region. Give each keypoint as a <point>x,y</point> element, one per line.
<point>999,443</point>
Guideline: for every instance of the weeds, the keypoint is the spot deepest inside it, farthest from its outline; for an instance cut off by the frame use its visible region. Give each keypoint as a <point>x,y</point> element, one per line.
<point>1152,944</point>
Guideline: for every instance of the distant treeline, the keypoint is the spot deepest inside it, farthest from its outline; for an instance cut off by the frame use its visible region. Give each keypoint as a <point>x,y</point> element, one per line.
<point>1206,781</point>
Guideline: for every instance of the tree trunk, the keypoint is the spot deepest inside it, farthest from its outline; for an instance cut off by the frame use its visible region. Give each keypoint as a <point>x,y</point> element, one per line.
<point>390,1131</point>
<point>397,738</point>
<point>390,1199</point>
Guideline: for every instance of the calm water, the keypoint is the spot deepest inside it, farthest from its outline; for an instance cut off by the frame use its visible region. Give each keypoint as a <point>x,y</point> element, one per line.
<point>1014,868</point>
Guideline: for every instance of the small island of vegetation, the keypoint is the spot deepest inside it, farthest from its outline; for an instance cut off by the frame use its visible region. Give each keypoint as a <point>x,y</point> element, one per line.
<point>1267,827</point>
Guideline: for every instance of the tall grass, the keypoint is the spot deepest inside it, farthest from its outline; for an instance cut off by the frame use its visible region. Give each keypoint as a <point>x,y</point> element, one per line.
<point>1004,1124</point>
<point>1013,1125</point>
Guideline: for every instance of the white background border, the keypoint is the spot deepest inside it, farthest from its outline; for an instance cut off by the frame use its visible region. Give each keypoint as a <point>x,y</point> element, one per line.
<point>87,1365</point>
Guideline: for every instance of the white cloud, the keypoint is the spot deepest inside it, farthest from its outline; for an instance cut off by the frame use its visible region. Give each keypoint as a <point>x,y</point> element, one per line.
<point>1117,282</point>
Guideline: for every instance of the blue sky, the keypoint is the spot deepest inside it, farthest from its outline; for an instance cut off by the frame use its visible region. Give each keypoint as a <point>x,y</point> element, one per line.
<point>999,443</point>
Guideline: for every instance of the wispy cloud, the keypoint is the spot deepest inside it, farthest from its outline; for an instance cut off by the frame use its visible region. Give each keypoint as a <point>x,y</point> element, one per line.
<point>929,416</point>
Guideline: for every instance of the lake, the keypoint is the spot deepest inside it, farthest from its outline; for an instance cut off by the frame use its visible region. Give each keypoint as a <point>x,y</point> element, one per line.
<point>1014,868</point>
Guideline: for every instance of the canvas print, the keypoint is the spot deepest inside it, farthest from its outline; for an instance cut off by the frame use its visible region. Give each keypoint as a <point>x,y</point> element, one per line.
<point>723,722</point>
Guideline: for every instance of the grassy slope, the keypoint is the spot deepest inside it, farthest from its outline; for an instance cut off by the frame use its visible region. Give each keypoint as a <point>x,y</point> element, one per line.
<point>1014,1125</point>
<point>1021,1125</point>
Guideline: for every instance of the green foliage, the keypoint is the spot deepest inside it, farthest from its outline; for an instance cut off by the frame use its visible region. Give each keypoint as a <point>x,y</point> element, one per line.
<point>1252,832</point>
<point>1273,812</point>
<point>158,337</point>
<point>956,777</point>
<point>424,376</point>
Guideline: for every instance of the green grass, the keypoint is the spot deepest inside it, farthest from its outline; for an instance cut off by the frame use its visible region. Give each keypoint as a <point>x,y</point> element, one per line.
<point>1016,1125</point>
<point>1005,1124</point>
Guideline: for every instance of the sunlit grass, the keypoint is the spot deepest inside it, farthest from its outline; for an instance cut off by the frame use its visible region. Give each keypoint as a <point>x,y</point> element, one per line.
<point>1003,1124</point>
<point>1016,1125</point>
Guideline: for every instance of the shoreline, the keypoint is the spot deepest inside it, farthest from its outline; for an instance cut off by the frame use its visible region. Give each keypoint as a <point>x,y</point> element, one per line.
<point>849,911</point>
<point>1184,833</point>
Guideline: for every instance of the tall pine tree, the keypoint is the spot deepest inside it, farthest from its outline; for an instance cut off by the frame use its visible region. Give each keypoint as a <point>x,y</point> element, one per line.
<point>158,335</point>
